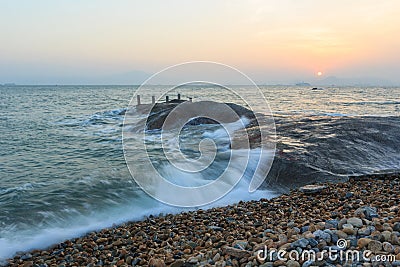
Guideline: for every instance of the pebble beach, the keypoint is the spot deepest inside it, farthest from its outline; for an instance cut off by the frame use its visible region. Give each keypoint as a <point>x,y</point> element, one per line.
<point>360,215</point>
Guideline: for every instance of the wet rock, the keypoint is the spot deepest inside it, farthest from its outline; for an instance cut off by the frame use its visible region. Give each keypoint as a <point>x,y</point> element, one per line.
<point>312,189</point>
<point>26,256</point>
<point>216,228</point>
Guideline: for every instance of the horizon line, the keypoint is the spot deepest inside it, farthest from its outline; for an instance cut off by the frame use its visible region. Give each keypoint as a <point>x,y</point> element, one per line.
<point>258,84</point>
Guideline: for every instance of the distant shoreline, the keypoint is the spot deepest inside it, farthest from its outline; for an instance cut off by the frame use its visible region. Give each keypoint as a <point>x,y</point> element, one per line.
<point>233,85</point>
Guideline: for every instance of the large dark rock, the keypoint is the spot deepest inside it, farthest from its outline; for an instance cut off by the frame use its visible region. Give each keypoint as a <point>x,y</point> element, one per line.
<point>199,113</point>
<point>160,111</point>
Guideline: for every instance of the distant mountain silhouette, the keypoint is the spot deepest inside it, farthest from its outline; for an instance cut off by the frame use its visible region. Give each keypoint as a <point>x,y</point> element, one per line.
<point>361,81</point>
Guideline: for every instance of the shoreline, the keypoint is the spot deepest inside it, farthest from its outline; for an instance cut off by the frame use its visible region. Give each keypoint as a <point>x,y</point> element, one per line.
<point>364,211</point>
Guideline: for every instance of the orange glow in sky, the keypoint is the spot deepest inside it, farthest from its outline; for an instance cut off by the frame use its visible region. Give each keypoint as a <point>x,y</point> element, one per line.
<point>271,41</point>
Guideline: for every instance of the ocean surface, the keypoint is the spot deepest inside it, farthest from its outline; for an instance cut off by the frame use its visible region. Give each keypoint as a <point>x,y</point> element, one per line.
<point>63,171</point>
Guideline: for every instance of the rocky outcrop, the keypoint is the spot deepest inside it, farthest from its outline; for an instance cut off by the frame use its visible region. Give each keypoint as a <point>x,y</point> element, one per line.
<point>160,111</point>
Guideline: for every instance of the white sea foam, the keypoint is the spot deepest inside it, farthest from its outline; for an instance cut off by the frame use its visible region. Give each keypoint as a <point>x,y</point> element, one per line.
<point>228,129</point>
<point>80,224</point>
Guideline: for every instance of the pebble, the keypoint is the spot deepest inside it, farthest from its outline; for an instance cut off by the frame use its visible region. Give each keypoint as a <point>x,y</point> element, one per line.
<point>363,242</point>
<point>312,189</point>
<point>303,243</point>
<point>240,244</point>
<point>388,247</point>
<point>26,256</point>
<point>342,222</point>
<point>177,263</point>
<point>386,235</point>
<point>193,260</point>
<point>292,263</point>
<point>234,252</point>
<point>216,257</point>
<point>367,211</point>
<point>396,227</point>
<point>319,234</point>
<point>308,263</point>
<point>356,222</point>
<point>349,229</point>
<point>375,246</point>
<point>364,231</point>
<point>349,194</point>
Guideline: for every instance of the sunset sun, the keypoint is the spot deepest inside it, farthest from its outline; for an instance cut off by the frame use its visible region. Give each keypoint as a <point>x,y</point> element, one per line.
<point>319,73</point>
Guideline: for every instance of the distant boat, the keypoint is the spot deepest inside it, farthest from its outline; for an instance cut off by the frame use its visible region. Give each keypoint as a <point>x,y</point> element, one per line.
<point>317,88</point>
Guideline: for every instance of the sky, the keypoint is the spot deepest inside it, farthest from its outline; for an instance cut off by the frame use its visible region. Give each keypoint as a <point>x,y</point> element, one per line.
<point>125,41</point>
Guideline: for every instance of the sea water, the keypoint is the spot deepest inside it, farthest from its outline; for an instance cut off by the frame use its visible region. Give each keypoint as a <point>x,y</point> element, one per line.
<point>63,172</point>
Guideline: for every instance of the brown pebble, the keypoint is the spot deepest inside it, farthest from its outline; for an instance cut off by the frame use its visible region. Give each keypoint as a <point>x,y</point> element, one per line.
<point>177,263</point>
<point>279,263</point>
<point>101,240</point>
<point>237,253</point>
<point>28,264</point>
<point>156,263</point>
<point>363,242</point>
